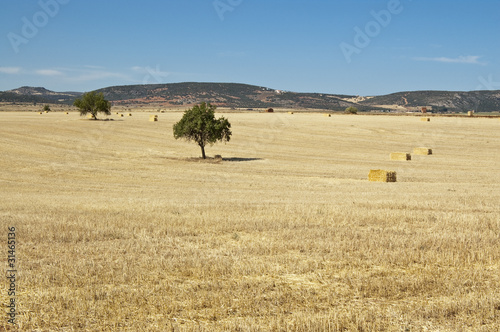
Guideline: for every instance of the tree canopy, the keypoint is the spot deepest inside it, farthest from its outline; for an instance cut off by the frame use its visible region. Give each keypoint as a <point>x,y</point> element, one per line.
<point>199,124</point>
<point>351,110</point>
<point>93,103</point>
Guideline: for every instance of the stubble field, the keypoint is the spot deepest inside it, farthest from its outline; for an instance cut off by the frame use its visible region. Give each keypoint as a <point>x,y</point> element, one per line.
<point>120,227</point>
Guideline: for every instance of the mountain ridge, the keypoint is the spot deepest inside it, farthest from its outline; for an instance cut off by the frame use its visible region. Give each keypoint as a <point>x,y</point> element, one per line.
<point>38,95</point>
<point>239,95</point>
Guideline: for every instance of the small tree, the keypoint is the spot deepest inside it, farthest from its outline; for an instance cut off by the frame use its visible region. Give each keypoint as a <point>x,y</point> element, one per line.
<point>200,125</point>
<point>46,108</point>
<point>93,103</point>
<point>351,110</point>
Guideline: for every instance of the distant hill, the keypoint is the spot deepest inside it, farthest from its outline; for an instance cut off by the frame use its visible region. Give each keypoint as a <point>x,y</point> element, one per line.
<point>38,95</point>
<point>480,101</point>
<point>235,95</point>
<point>224,95</point>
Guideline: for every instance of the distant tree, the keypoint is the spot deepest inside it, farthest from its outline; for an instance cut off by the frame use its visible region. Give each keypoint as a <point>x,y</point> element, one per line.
<point>93,103</point>
<point>351,110</point>
<point>439,109</point>
<point>46,108</point>
<point>200,125</point>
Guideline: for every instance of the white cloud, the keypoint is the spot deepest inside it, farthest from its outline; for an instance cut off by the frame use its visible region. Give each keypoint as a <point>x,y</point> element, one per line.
<point>83,73</point>
<point>95,75</point>
<point>138,69</point>
<point>10,70</point>
<point>49,72</point>
<point>469,59</point>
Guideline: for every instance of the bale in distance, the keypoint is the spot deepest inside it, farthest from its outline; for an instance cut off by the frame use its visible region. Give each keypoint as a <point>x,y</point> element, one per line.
<point>121,115</point>
<point>327,115</point>
<point>153,118</point>
<point>379,175</point>
<point>470,113</point>
<point>425,119</point>
<point>290,112</point>
<point>422,151</point>
<point>400,156</point>
<point>130,114</point>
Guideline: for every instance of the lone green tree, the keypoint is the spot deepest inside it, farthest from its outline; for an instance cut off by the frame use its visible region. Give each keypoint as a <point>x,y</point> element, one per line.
<point>351,110</point>
<point>200,125</point>
<point>46,108</point>
<point>93,103</point>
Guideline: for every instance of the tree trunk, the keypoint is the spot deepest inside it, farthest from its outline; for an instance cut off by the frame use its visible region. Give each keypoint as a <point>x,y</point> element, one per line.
<point>203,151</point>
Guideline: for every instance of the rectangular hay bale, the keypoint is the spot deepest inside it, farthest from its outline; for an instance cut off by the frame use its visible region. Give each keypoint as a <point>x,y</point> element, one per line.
<point>422,151</point>
<point>328,115</point>
<point>379,175</point>
<point>400,156</point>
<point>153,118</point>
<point>425,119</point>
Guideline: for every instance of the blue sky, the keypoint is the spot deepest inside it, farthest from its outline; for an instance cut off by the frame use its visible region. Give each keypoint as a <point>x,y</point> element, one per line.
<point>365,47</point>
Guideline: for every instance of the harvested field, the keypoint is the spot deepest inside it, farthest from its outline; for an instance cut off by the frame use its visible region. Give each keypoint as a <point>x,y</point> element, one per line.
<point>119,230</point>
